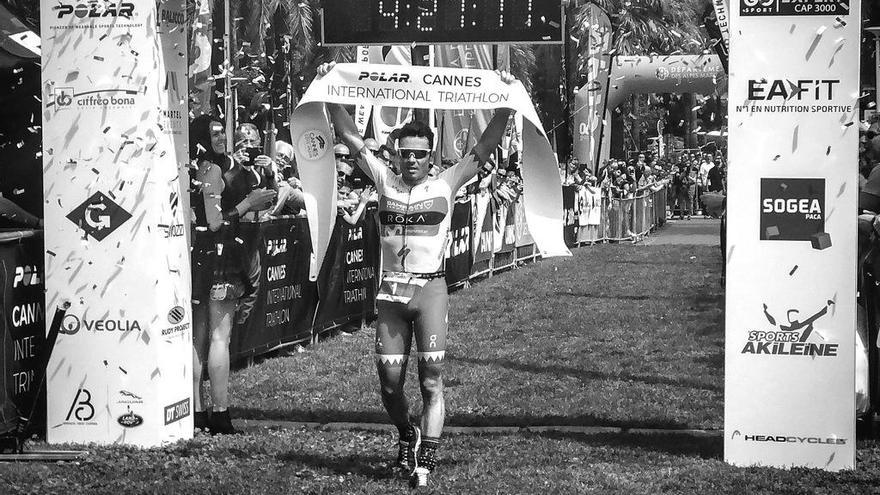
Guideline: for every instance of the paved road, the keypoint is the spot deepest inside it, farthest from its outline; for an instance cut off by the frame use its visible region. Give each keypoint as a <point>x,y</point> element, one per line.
<point>696,231</point>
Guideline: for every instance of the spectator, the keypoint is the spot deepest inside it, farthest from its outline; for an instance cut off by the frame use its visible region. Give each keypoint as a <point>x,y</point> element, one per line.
<point>255,170</point>
<point>386,155</point>
<point>640,166</point>
<point>218,280</point>
<point>716,177</point>
<point>680,190</point>
<point>352,213</point>
<point>692,179</point>
<point>355,179</point>
<point>290,196</point>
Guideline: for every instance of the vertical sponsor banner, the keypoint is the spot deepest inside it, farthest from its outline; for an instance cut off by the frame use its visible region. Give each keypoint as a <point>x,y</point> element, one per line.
<point>348,281</point>
<point>462,126</point>
<point>458,249</point>
<point>22,329</point>
<point>200,81</point>
<point>720,26</point>
<point>589,115</point>
<point>115,157</point>
<point>791,225</point>
<point>372,258</point>
<point>387,118</point>
<point>362,110</point>
<point>284,305</point>
<point>523,236</point>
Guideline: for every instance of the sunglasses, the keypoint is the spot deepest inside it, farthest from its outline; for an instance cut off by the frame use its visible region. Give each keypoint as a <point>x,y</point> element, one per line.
<point>417,153</point>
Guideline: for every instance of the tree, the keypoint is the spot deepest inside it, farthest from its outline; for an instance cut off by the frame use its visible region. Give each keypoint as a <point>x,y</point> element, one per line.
<point>642,27</point>
<point>654,27</point>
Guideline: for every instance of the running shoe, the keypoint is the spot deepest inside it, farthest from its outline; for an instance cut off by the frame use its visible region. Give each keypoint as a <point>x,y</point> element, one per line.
<point>419,477</point>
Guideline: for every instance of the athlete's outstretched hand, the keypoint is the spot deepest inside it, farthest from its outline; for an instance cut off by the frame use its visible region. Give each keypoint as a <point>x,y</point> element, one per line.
<point>323,69</point>
<point>506,77</point>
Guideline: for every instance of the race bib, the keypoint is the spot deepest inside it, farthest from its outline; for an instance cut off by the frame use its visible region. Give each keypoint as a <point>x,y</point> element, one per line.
<point>399,287</point>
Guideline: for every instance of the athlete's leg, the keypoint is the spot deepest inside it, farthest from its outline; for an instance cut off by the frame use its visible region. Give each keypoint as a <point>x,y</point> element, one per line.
<point>430,331</point>
<point>393,340</point>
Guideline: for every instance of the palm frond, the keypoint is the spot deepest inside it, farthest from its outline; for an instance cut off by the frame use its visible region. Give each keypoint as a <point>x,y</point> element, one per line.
<point>523,64</point>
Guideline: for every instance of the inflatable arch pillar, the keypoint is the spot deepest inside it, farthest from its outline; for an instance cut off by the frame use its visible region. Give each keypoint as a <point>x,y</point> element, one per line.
<point>630,75</point>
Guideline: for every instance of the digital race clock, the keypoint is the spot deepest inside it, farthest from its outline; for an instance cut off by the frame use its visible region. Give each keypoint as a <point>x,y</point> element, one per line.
<point>387,22</point>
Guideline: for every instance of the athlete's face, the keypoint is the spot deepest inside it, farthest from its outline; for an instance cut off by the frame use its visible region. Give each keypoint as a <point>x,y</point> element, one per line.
<point>414,158</point>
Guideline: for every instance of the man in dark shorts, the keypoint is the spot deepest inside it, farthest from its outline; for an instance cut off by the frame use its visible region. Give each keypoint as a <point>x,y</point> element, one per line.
<point>415,212</point>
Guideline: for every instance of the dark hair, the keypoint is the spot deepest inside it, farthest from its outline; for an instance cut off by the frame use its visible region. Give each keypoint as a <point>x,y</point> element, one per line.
<point>200,138</point>
<point>417,128</point>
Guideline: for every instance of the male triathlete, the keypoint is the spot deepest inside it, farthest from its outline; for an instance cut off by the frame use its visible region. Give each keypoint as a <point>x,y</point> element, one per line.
<point>415,212</point>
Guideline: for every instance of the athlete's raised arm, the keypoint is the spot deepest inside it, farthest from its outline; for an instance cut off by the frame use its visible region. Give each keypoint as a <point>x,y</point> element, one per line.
<point>348,133</point>
<point>471,163</point>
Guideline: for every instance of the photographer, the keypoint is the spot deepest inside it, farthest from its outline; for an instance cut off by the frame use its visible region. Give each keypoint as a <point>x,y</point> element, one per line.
<point>290,196</point>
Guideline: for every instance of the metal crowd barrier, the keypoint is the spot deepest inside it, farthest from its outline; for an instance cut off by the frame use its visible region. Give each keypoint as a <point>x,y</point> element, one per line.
<point>618,219</point>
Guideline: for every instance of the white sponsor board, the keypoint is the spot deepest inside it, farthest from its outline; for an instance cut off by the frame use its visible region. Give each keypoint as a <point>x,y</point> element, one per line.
<point>791,248</point>
<point>116,213</point>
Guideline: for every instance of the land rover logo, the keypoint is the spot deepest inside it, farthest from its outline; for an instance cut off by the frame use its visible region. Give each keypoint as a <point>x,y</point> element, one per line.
<point>130,420</point>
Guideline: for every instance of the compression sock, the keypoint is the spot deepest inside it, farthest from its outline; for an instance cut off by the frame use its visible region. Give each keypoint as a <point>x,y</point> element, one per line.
<point>428,454</point>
